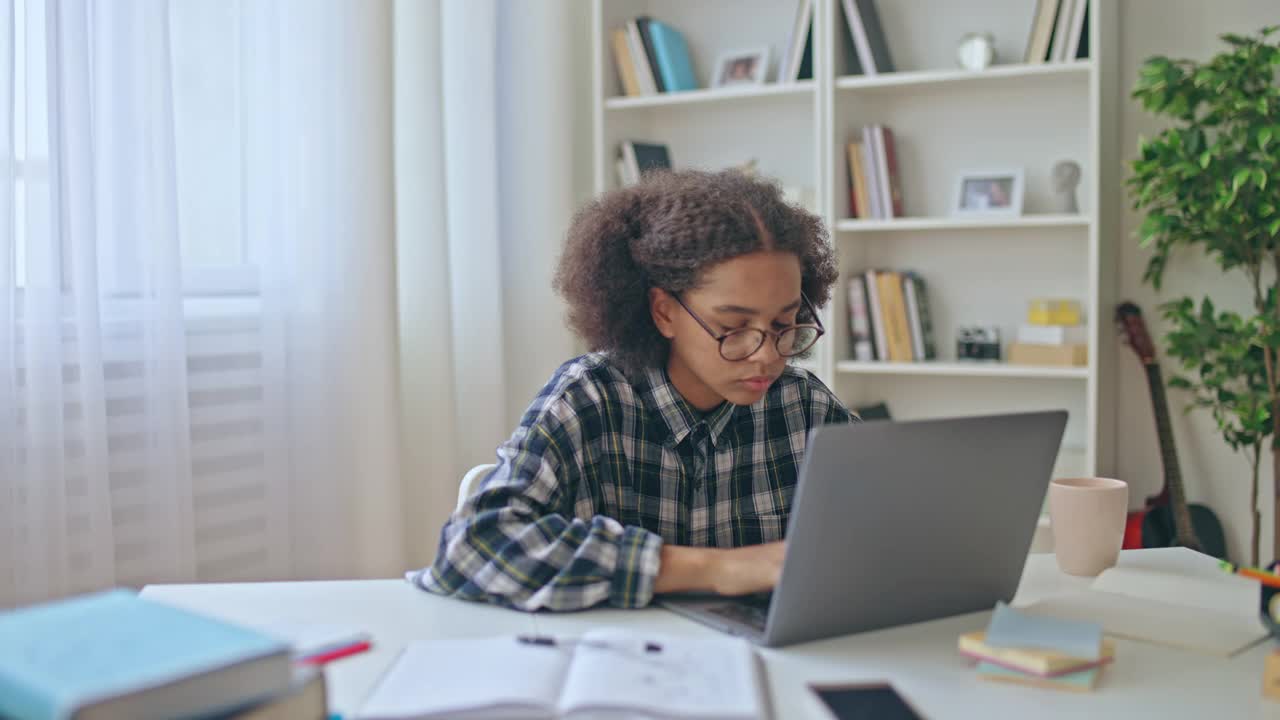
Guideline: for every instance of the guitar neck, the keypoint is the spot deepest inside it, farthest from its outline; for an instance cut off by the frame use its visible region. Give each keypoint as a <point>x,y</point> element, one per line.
<point>1169,458</point>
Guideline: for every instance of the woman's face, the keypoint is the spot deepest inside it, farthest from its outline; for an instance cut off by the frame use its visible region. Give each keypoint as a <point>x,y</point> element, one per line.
<point>759,290</point>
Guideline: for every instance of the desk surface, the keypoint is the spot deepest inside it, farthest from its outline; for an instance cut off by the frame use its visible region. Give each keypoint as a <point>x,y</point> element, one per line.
<point>920,660</point>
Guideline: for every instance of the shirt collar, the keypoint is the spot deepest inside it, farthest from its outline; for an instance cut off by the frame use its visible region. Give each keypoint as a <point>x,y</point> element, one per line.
<point>676,414</point>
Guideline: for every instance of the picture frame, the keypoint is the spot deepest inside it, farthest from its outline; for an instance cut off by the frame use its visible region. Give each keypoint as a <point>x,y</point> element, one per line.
<point>737,68</point>
<point>995,192</point>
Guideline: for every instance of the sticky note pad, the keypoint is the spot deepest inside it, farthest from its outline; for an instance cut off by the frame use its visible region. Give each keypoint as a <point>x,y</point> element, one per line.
<point>1012,629</point>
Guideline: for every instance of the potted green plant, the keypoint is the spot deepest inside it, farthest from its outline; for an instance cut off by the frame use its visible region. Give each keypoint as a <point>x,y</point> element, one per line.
<point>1211,182</point>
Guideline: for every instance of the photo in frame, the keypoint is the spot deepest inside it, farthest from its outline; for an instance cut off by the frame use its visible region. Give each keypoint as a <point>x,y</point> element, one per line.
<point>740,67</point>
<point>989,192</point>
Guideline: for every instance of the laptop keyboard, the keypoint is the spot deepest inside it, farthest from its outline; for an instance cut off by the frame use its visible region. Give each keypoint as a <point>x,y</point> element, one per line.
<point>752,610</point>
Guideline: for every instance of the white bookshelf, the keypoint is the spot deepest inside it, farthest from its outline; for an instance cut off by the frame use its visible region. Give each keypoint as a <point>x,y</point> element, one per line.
<point>962,223</point>
<point>962,369</point>
<point>979,271</point>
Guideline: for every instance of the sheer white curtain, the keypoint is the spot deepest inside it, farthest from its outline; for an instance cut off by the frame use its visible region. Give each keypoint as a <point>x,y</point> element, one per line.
<point>95,461</point>
<point>253,323</point>
<point>197,294</point>
<point>491,155</point>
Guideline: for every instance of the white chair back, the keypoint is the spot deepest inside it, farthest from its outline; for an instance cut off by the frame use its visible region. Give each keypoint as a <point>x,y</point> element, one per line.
<point>470,481</point>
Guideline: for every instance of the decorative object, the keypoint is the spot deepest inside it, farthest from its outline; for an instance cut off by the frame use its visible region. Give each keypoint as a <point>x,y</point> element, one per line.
<point>989,192</point>
<point>978,343</point>
<point>802,195</point>
<point>1066,177</point>
<point>1049,311</point>
<point>750,168</point>
<point>977,51</point>
<point>740,67</point>
<point>1211,181</point>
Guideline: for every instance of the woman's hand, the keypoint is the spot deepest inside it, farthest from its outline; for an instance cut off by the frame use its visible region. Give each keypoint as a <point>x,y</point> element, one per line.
<point>735,571</point>
<point>746,570</point>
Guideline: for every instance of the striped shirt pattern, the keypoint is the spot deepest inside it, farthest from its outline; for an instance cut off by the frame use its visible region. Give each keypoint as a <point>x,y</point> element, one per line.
<point>604,469</point>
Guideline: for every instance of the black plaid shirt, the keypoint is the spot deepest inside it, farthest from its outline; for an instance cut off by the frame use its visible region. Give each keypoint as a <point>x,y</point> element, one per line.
<point>604,469</point>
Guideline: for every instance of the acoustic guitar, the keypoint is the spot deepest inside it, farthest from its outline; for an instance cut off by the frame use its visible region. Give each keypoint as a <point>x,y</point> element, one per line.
<point>1167,520</point>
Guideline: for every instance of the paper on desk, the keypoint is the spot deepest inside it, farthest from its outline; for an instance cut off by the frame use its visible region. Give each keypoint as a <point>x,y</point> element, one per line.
<point>1171,596</point>
<point>1010,628</point>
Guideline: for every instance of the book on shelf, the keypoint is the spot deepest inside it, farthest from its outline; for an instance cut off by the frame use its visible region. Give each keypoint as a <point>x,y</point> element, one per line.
<point>636,158</point>
<point>1041,31</point>
<point>894,305</point>
<point>114,655</point>
<point>889,317</point>
<point>869,166</point>
<point>799,54</point>
<point>876,315</point>
<point>1078,29</point>
<point>1060,25</point>
<point>650,54</point>
<point>604,673</point>
<point>1059,32</point>
<point>860,331</point>
<point>890,163</point>
<point>859,200</point>
<point>868,37</point>
<point>626,68</point>
<point>640,59</point>
<point>674,66</point>
<point>924,316</point>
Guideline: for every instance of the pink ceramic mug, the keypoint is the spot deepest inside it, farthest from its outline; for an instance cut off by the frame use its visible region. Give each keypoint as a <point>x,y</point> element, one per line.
<point>1087,516</point>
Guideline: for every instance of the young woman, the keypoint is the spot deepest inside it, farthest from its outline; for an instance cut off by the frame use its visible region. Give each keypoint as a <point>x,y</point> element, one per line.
<point>665,460</point>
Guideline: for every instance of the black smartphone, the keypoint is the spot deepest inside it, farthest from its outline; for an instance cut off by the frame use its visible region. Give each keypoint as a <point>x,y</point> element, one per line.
<point>865,701</point>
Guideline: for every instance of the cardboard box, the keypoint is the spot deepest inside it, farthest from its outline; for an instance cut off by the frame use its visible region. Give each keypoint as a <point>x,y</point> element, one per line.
<point>1074,355</point>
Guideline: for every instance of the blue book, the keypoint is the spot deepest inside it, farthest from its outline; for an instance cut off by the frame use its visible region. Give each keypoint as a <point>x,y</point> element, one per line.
<point>673,58</point>
<point>115,655</point>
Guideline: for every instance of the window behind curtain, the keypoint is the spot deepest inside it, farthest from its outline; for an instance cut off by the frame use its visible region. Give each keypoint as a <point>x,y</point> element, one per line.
<point>237,509</point>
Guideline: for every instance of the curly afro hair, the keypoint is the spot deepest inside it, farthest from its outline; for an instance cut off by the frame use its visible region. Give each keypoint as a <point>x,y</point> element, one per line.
<point>665,232</point>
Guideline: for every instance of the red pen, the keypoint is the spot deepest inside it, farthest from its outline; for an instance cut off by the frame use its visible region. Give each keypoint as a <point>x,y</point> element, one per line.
<point>338,653</point>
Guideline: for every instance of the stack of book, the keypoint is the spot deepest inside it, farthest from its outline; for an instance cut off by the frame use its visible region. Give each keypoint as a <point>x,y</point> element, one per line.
<point>875,190</point>
<point>889,318</point>
<point>115,655</point>
<point>1059,31</point>
<point>652,57</point>
<point>1038,651</point>
<point>1053,335</point>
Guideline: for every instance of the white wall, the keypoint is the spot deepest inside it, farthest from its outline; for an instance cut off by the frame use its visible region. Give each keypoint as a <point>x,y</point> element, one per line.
<point>545,132</point>
<point>1214,474</point>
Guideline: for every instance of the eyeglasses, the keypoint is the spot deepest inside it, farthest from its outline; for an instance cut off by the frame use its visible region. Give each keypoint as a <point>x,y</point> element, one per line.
<point>742,343</point>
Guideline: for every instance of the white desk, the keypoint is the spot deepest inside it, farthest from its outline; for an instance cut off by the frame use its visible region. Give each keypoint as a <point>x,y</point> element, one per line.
<point>920,660</point>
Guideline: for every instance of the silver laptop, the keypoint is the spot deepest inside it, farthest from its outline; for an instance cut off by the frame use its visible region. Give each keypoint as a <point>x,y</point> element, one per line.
<point>900,522</point>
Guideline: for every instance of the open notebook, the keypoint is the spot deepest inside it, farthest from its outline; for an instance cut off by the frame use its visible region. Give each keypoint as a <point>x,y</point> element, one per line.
<point>605,673</point>
<point>1172,596</point>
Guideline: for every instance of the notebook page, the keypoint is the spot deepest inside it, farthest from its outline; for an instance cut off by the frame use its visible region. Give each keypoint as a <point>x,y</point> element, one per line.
<point>1227,594</point>
<point>689,677</point>
<point>477,677</point>
<point>1154,621</point>
<point>1172,560</point>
